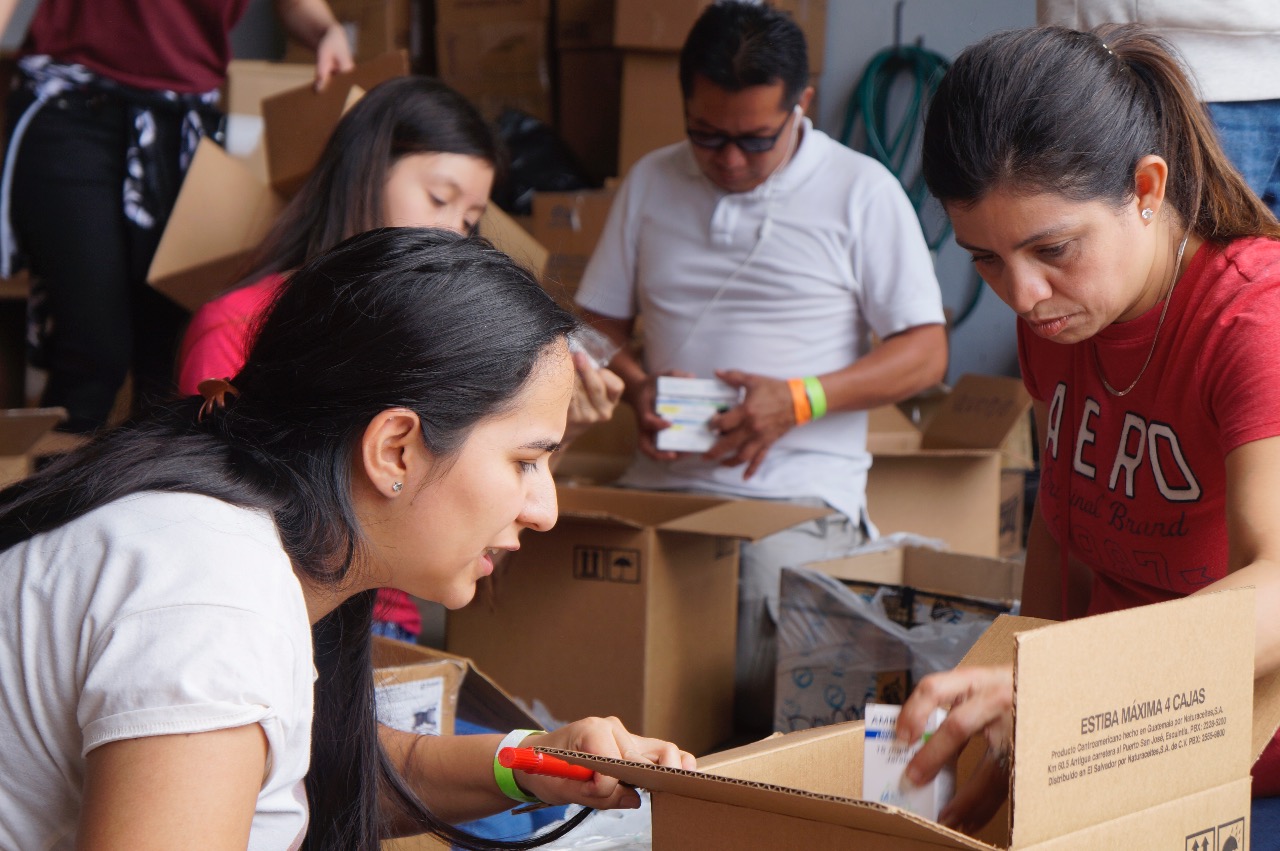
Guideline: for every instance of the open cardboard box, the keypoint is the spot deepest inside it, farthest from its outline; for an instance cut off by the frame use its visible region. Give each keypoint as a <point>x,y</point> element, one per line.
<point>947,480</point>
<point>1147,748</point>
<point>839,648</point>
<point>226,205</point>
<point>445,687</point>
<point>21,433</point>
<point>627,607</point>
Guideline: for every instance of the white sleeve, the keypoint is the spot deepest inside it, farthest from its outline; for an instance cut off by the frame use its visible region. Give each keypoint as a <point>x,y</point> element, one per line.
<point>609,282</point>
<point>186,669</point>
<point>891,261</point>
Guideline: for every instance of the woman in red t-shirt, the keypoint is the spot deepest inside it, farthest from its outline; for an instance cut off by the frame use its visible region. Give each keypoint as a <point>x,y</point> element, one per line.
<point>1083,176</point>
<point>112,97</point>
<point>411,153</point>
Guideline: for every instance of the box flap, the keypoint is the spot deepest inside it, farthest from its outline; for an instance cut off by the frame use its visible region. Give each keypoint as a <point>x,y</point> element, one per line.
<point>863,815</point>
<point>222,212</point>
<point>299,121</point>
<point>635,508</point>
<point>982,412</point>
<point>948,573</point>
<point>22,428</point>
<point>745,518</point>
<point>511,239</point>
<point>889,430</point>
<point>1124,711</point>
<point>1266,713</point>
<point>481,701</point>
<point>250,81</point>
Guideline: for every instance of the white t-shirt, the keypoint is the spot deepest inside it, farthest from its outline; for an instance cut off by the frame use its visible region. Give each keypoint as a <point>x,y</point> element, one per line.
<point>841,256</point>
<point>155,614</point>
<point>1232,47</point>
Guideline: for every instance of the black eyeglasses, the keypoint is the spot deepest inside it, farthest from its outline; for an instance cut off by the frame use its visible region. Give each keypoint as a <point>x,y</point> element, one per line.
<point>747,144</point>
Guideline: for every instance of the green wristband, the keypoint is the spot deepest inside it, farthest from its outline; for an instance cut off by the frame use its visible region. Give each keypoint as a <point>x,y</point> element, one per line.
<point>817,396</point>
<point>504,776</point>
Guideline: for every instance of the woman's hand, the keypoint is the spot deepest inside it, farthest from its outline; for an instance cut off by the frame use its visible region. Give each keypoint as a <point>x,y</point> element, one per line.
<point>602,737</point>
<point>333,54</point>
<point>595,396</point>
<point>979,701</point>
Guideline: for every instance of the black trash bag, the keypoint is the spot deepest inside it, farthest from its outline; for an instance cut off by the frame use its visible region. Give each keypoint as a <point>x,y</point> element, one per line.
<point>538,161</point>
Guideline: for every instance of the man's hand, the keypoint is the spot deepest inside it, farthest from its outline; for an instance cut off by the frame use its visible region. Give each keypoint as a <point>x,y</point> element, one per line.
<point>749,429</point>
<point>642,397</point>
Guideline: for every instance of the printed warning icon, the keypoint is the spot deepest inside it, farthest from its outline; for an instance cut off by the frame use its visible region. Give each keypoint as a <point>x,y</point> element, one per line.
<point>1231,836</point>
<point>606,565</point>
<point>1205,840</point>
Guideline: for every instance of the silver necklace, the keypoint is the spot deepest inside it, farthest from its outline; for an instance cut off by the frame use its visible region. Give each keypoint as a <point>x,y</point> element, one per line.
<point>1097,362</point>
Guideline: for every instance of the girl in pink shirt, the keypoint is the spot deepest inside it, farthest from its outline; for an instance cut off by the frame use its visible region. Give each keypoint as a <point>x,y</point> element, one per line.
<point>411,153</point>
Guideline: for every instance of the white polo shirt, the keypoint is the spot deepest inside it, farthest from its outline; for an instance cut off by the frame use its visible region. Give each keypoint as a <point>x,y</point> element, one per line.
<point>840,257</point>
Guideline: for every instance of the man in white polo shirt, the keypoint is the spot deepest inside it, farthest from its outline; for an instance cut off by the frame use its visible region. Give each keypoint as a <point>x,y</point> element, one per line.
<point>762,252</point>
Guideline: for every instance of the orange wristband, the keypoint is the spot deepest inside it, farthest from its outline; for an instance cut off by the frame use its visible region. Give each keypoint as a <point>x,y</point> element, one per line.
<point>800,400</point>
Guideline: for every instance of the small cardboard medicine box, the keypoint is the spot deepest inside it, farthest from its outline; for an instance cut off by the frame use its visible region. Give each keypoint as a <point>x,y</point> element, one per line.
<point>952,479</point>
<point>627,607</point>
<point>1132,730</point>
<point>869,627</point>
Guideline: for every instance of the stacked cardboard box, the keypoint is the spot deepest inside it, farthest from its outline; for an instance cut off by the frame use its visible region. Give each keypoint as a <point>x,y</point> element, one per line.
<point>496,53</point>
<point>627,607</point>
<point>21,433</point>
<point>619,93</point>
<point>373,27</point>
<point>1148,748</point>
<point>959,474</point>
<point>569,225</point>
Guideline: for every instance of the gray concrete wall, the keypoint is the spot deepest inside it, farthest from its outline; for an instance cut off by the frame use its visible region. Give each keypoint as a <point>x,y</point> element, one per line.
<point>856,31</point>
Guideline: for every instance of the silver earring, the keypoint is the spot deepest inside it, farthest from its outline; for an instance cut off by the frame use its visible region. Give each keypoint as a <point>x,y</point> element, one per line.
<point>397,486</point>
<point>1147,214</point>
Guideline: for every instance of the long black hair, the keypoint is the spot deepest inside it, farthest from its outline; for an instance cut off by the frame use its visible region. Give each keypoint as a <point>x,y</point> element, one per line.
<point>443,325</point>
<point>343,195</point>
<point>1053,109</point>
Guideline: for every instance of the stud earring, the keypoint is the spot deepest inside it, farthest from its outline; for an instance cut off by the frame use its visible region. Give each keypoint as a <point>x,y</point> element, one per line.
<point>1147,214</point>
<point>397,486</point>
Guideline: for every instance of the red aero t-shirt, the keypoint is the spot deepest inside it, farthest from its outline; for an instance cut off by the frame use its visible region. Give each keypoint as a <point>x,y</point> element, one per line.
<point>171,45</point>
<point>1135,485</point>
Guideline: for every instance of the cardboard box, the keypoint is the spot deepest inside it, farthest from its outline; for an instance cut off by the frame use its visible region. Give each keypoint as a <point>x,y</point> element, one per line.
<point>21,430</point>
<point>468,692</point>
<point>450,687</point>
<point>569,224</point>
<point>486,11</point>
<point>945,481</point>
<point>374,28</point>
<point>509,237</point>
<point>498,64</point>
<point>627,607</point>
<point>664,24</point>
<point>867,628</point>
<point>1169,779</point>
<point>299,121</point>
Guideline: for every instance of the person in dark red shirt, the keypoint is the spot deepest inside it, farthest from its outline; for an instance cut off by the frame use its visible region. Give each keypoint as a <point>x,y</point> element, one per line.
<point>113,97</point>
<point>1084,177</point>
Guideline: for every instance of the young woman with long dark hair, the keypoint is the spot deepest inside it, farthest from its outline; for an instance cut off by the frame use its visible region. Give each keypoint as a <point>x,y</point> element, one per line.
<point>1083,175</point>
<point>177,584</point>
<point>411,153</point>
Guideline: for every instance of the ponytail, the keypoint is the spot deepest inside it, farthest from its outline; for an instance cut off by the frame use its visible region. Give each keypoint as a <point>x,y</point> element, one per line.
<point>1053,109</point>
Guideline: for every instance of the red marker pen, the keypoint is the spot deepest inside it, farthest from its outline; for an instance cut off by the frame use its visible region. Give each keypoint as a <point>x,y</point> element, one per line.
<point>534,762</point>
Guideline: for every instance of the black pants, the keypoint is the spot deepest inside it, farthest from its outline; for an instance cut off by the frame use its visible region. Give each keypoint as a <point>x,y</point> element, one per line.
<point>67,211</point>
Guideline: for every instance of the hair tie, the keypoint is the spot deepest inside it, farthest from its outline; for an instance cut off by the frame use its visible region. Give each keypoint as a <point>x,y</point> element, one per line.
<point>1108,49</point>
<point>215,392</point>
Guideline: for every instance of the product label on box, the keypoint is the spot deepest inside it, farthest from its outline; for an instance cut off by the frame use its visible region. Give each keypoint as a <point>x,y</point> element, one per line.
<point>688,404</point>
<point>884,759</point>
<point>1145,729</point>
<point>414,707</point>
